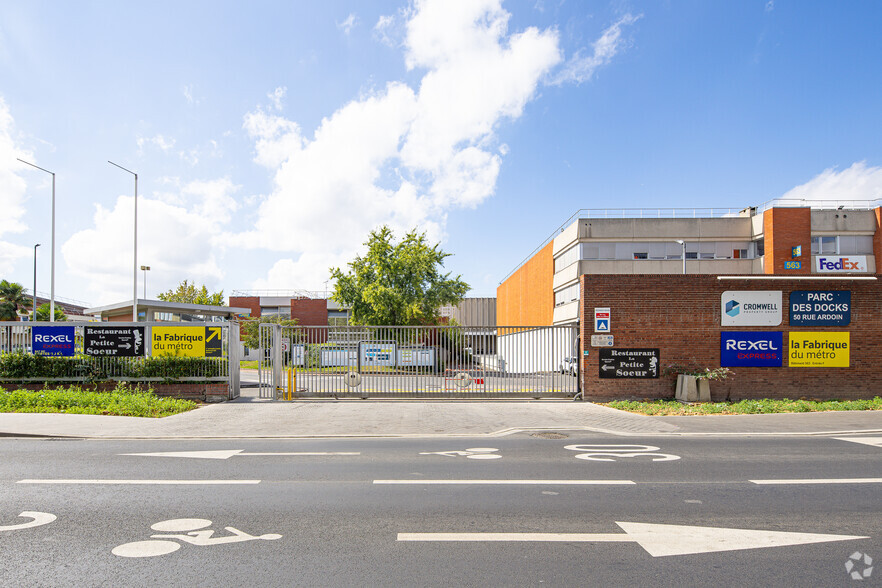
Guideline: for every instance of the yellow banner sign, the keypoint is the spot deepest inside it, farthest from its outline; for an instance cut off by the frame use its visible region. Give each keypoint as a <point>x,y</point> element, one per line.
<point>819,349</point>
<point>181,341</point>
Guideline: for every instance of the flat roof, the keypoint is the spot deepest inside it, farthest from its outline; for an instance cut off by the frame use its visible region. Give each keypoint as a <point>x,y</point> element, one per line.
<point>163,306</point>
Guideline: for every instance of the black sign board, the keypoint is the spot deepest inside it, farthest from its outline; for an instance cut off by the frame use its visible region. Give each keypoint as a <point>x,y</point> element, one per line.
<point>629,363</point>
<point>827,308</point>
<point>113,341</point>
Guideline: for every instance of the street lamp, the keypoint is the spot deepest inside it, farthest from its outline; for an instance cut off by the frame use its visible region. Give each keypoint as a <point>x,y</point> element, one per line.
<point>34,315</point>
<point>683,243</point>
<point>52,287</point>
<point>145,269</point>
<point>135,263</point>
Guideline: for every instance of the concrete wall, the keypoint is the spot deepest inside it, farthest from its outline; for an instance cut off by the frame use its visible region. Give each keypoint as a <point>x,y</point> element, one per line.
<point>680,315</point>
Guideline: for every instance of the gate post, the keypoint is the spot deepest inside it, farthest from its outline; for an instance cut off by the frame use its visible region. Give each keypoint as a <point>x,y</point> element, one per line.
<point>233,354</point>
<point>277,360</point>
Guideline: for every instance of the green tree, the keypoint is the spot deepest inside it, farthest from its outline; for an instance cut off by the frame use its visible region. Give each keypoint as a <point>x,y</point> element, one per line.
<point>43,313</point>
<point>397,284</point>
<point>12,300</point>
<point>187,293</point>
<point>250,328</point>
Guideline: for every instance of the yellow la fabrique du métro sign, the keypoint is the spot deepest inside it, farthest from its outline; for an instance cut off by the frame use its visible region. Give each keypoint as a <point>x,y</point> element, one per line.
<point>187,341</point>
<point>819,349</point>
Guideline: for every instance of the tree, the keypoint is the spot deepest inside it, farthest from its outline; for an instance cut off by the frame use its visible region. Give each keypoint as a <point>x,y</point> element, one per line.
<point>43,313</point>
<point>12,300</point>
<point>188,293</point>
<point>250,333</point>
<point>397,284</point>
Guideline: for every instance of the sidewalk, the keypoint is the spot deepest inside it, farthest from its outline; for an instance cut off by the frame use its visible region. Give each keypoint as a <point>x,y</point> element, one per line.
<point>249,417</point>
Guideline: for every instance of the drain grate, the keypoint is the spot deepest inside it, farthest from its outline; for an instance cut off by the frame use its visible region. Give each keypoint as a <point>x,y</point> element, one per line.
<point>549,435</point>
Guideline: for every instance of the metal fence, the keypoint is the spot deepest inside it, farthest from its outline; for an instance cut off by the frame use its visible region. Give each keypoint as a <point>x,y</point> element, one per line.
<point>19,364</point>
<point>417,362</point>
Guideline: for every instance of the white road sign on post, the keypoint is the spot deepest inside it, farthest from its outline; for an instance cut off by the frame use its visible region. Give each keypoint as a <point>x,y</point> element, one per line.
<point>601,320</point>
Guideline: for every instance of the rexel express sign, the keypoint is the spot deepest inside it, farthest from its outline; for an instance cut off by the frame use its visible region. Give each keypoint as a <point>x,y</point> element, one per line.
<point>751,348</point>
<point>819,349</point>
<point>837,264</point>
<point>53,341</point>
<point>750,308</point>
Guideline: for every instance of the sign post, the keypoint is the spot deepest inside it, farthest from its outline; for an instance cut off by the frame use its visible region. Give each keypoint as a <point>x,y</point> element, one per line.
<point>114,341</point>
<point>629,363</point>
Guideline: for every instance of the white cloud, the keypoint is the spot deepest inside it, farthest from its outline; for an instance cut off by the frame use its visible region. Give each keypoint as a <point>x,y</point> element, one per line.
<point>347,25</point>
<point>277,96</point>
<point>12,190</point>
<point>580,68</point>
<point>160,141</point>
<point>386,31</point>
<point>187,90</point>
<point>857,183</point>
<point>181,236</point>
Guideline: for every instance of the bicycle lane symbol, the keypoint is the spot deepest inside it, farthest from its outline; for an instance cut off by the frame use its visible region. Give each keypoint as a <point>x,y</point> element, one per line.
<point>39,519</point>
<point>192,531</point>
<point>611,452</point>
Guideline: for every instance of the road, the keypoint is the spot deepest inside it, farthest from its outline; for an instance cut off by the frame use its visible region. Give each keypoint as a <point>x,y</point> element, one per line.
<point>663,511</point>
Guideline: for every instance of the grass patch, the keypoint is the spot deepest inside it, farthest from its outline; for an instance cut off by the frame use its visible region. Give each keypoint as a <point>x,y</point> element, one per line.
<point>122,401</point>
<point>248,364</point>
<point>764,406</point>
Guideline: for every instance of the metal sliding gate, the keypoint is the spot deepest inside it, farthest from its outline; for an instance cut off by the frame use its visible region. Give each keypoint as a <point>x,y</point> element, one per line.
<point>418,362</point>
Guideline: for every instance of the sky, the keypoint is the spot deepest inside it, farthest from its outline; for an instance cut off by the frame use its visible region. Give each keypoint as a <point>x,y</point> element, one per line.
<point>270,138</point>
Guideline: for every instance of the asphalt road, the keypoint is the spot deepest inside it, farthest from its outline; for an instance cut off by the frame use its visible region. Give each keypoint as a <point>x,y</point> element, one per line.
<point>343,519</point>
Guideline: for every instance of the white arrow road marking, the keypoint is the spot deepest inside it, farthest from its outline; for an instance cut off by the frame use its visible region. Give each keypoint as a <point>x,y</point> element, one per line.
<point>228,453</point>
<point>874,441</point>
<point>657,540</point>
<point>512,482</point>
<point>137,482</point>
<point>39,518</point>
<point>822,481</point>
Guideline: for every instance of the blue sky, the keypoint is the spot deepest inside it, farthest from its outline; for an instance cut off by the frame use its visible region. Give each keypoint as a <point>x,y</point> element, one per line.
<point>271,137</point>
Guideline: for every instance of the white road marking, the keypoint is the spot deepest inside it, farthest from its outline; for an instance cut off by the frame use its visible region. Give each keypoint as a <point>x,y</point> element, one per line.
<point>657,540</point>
<point>513,482</point>
<point>137,482</point>
<point>874,441</point>
<point>822,481</point>
<point>228,453</point>
<point>39,518</point>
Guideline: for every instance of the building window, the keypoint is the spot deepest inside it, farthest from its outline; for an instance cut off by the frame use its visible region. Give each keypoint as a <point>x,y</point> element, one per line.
<point>823,245</point>
<point>568,294</point>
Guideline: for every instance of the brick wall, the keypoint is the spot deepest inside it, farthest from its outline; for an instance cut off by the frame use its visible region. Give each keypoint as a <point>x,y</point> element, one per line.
<point>680,315</point>
<point>527,296</point>
<point>309,311</point>
<point>783,229</point>
<point>877,240</point>
<point>251,302</point>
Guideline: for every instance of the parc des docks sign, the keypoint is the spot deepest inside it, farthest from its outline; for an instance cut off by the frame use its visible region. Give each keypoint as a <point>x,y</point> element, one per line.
<point>187,341</point>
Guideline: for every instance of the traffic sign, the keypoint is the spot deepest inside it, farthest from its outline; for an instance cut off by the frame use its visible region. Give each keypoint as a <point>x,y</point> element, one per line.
<point>629,363</point>
<point>602,320</point>
<point>113,341</point>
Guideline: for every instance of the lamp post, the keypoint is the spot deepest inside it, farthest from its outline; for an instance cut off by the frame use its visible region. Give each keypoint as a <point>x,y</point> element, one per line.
<point>34,314</point>
<point>52,287</point>
<point>145,269</point>
<point>135,263</point>
<point>683,243</point>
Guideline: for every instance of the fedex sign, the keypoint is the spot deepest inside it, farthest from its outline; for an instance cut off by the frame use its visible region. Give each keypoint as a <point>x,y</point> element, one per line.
<point>751,348</point>
<point>841,264</point>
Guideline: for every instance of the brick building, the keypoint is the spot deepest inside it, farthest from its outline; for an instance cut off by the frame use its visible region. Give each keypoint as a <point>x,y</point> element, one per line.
<point>633,262</point>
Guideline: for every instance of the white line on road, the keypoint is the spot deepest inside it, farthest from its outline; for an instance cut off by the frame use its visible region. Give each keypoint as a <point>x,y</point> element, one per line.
<point>658,540</point>
<point>136,482</point>
<point>228,453</point>
<point>873,441</point>
<point>513,482</point>
<point>822,481</point>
